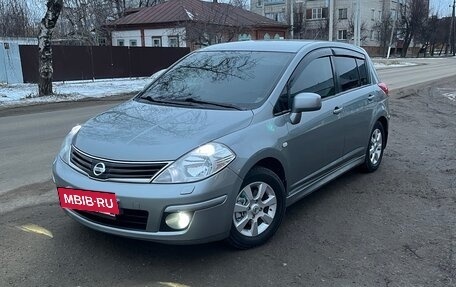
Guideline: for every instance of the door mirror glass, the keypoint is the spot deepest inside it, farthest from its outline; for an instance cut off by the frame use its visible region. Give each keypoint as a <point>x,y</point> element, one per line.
<point>304,102</point>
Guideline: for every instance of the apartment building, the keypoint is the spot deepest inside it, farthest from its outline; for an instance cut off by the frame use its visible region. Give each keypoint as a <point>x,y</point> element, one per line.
<point>311,19</point>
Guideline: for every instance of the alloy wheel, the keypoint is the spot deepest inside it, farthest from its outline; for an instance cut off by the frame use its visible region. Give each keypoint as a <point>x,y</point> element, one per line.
<point>255,208</point>
<point>375,147</point>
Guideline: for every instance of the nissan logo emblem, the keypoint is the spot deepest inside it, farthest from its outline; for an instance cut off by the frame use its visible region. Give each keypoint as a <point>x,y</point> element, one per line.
<point>99,168</point>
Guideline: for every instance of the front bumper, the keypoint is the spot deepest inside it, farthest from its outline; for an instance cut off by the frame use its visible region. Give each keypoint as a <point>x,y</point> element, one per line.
<point>211,201</point>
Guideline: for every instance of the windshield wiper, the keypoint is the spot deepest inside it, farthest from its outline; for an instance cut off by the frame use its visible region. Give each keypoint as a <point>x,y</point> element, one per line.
<point>223,105</point>
<point>160,101</point>
<point>189,101</point>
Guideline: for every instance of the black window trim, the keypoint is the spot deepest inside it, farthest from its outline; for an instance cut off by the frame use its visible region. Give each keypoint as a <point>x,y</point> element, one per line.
<point>309,57</point>
<point>369,82</point>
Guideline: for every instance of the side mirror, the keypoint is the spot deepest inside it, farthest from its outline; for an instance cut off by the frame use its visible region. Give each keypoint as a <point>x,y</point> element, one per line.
<point>304,102</point>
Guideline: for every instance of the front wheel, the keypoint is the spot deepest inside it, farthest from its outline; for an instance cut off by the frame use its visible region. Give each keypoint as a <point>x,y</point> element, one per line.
<point>374,153</point>
<point>258,210</point>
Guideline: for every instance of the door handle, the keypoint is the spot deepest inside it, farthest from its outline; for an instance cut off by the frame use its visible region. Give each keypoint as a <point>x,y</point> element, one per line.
<point>370,97</point>
<point>337,110</point>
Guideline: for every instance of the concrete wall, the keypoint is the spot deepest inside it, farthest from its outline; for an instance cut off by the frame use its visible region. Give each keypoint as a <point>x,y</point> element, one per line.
<point>10,63</point>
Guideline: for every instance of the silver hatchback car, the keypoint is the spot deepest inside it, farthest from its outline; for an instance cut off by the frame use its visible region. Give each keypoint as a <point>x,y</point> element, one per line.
<point>223,141</point>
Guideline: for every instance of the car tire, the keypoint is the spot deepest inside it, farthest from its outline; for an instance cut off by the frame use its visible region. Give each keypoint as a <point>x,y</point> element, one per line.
<point>375,147</point>
<point>259,209</point>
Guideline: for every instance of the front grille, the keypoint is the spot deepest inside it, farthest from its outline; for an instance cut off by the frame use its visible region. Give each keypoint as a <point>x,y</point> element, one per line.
<point>128,218</point>
<point>116,170</point>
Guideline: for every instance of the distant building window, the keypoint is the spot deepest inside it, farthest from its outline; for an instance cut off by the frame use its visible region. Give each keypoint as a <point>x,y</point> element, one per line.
<point>133,43</point>
<point>244,37</point>
<point>101,41</point>
<point>272,2</point>
<point>373,14</point>
<point>281,17</point>
<point>342,13</point>
<point>342,35</point>
<point>120,42</point>
<point>379,15</point>
<point>173,41</point>
<point>372,37</point>
<point>317,13</point>
<point>270,15</point>
<point>156,41</point>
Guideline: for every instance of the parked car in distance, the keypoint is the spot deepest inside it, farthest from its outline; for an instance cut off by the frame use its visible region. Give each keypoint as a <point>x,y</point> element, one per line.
<point>223,141</point>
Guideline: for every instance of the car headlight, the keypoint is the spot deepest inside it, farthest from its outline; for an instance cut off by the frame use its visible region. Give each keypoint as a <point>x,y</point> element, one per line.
<point>198,164</point>
<point>64,153</point>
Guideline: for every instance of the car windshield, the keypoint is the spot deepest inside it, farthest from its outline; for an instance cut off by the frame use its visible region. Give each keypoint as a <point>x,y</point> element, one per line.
<point>225,80</point>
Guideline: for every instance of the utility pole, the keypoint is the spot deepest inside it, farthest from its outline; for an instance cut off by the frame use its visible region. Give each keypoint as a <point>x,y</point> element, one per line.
<point>331,19</point>
<point>292,19</point>
<point>392,31</point>
<point>452,29</point>
<point>357,24</point>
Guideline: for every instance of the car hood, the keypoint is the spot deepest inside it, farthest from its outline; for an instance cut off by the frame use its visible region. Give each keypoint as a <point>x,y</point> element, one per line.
<point>136,131</point>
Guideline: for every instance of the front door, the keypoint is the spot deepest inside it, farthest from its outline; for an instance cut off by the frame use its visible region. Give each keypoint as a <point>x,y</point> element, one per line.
<point>316,143</point>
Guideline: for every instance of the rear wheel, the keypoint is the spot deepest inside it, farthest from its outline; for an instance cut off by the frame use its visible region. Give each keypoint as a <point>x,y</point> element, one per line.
<point>374,153</point>
<point>259,209</point>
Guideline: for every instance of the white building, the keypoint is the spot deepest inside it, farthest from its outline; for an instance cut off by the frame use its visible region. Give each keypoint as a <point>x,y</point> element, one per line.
<point>311,19</point>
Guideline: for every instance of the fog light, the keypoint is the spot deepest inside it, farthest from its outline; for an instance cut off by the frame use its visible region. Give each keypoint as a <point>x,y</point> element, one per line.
<point>178,220</point>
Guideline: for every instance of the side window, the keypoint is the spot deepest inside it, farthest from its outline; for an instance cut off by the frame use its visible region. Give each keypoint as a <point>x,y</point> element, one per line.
<point>362,68</point>
<point>347,71</point>
<point>317,77</point>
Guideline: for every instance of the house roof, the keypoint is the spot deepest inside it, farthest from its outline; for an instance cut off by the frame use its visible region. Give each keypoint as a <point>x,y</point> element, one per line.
<point>195,10</point>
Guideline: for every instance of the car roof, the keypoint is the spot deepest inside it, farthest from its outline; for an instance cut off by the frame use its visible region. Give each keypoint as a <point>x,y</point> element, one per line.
<point>291,46</point>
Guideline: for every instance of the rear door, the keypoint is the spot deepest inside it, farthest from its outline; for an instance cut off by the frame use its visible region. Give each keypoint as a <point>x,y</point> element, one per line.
<point>357,98</point>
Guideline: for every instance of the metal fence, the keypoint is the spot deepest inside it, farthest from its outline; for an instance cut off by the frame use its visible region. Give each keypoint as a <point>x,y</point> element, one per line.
<point>99,62</point>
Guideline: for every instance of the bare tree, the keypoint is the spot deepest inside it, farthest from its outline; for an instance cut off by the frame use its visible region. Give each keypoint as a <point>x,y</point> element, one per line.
<point>413,17</point>
<point>54,7</point>
<point>83,19</point>
<point>384,28</point>
<point>214,26</point>
<point>351,29</point>
<point>317,29</point>
<point>147,3</point>
<point>15,19</point>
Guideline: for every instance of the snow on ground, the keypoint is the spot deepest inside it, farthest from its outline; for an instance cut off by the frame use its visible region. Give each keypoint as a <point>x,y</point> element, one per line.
<point>23,94</point>
<point>392,63</point>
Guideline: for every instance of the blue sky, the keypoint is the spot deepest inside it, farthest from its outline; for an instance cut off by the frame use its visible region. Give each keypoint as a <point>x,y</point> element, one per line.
<point>441,6</point>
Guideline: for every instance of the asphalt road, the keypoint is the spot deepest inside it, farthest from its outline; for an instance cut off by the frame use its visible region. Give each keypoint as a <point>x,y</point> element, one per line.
<point>395,227</point>
<point>426,71</point>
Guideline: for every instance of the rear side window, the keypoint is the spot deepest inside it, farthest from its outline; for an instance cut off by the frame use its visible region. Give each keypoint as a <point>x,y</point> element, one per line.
<point>347,71</point>
<point>362,69</point>
<point>317,77</point>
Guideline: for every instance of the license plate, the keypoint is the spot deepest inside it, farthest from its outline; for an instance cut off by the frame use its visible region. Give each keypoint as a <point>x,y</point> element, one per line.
<point>102,202</point>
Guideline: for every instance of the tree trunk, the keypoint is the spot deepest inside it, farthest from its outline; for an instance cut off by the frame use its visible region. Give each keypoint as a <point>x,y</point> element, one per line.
<point>54,7</point>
